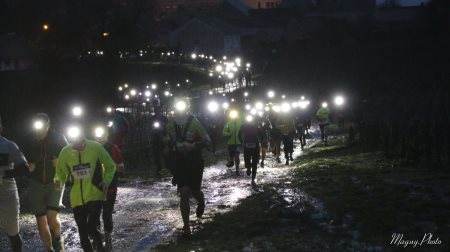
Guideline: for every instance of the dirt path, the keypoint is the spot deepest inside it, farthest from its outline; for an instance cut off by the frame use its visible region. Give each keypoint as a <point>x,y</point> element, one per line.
<point>147,212</point>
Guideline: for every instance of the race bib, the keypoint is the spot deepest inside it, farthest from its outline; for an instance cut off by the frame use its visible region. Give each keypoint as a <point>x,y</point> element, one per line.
<point>82,171</point>
<point>250,145</point>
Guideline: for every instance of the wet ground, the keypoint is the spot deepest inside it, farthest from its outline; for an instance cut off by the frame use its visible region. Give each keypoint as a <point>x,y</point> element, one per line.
<point>147,213</point>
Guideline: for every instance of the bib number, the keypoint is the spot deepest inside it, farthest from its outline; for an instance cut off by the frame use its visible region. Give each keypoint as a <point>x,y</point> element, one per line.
<point>82,171</point>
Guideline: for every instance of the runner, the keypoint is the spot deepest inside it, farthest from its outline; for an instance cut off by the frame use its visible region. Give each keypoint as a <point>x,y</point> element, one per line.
<point>42,151</point>
<point>102,136</point>
<point>231,130</point>
<point>83,161</point>
<point>12,164</point>
<point>185,139</point>
<point>250,135</point>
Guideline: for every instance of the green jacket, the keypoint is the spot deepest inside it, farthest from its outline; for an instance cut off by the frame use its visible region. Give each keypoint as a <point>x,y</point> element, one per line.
<point>85,169</point>
<point>231,130</point>
<point>323,113</point>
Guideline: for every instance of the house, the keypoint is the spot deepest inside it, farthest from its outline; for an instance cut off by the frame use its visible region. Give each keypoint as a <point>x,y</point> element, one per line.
<point>15,53</point>
<point>211,35</point>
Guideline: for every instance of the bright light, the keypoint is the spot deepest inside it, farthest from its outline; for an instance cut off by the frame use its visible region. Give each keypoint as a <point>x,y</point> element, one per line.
<point>166,93</point>
<point>248,65</point>
<point>260,113</point>
<point>193,56</point>
<point>283,96</point>
<point>45,27</point>
<point>147,93</point>
<point>127,97</point>
<point>210,92</point>
<point>246,94</point>
<point>324,105</point>
<point>120,88</point>
<point>302,98</point>
<point>38,125</point>
<point>105,34</point>
<point>156,125</point>
<point>230,75</point>
<point>77,111</point>
<point>271,94</point>
<point>267,109</point>
<point>253,111</point>
<point>211,74</point>
<point>99,132</point>
<point>154,86</point>
<point>276,108</point>
<point>133,92</point>
<point>110,124</point>
<point>181,106</point>
<point>285,107</point>
<point>225,105</point>
<point>224,58</point>
<point>294,105</point>
<point>303,104</point>
<point>125,85</point>
<point>213,106</point>
<point>109,109</point>
<point>232,100</point>
<point>259,106</point>
<point>248,107</point>
<point>339,100</point>
<point>249,118</point>
<point>233,114</point>
<point>73,132</point>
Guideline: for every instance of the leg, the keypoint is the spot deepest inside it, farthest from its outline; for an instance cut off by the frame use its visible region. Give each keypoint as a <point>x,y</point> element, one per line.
<point>255,160</point>
<point>247,160</point>
<point>200,197</point>
<point>108,208</point>
<point>81,218</point>
<point>16,242</point>
<point>93,221</point>
<point>322,132</point>
<point>185,195</point>
<point>157,158</point>
<point>53,202</point>
<point>44,231</point>
<point>9,214</point>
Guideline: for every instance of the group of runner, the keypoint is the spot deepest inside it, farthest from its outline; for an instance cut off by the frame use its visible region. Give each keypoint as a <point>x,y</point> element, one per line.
<point>51,160</point>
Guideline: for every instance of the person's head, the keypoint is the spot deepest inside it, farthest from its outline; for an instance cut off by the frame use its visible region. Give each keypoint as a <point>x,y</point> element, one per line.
<point>101,134</point>
<point>41,125</point>
<point>76,136</point>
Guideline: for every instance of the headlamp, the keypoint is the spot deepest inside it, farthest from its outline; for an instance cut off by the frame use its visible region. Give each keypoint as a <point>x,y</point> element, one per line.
<point>156,125</point>
<point>181,106</point>
<point>339,100</point>
<point>77,111</point>
<point>324,105</point>
<point>99,132</point>
<point>74,133</point>
<point>38,125</point>
<point>249,118</point>
<point>213,106</point>
<point>233,114</point>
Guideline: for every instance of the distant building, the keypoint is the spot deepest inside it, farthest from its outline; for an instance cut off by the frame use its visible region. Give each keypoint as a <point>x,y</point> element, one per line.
<point>15,53</point>
<point>262,4</point>
<point>210,35</point>
<point>173,5</point>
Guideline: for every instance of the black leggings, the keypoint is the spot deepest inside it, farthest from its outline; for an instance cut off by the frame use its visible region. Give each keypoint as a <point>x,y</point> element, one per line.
<point>251,159</point>
<point>288,145</point>
<point>108,208</point>
<point>87,218</point>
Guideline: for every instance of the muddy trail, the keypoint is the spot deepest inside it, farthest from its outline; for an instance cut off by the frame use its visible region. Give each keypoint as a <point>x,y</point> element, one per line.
<point>147,213</point>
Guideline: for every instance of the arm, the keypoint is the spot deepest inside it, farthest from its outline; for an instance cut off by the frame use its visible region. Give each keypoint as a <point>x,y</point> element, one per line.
<point>205,140</point>
<point>21,167</point>
<point>118,159</point>
<point>110,166</point>
<point>226,130</point>
<point>61,171</point>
